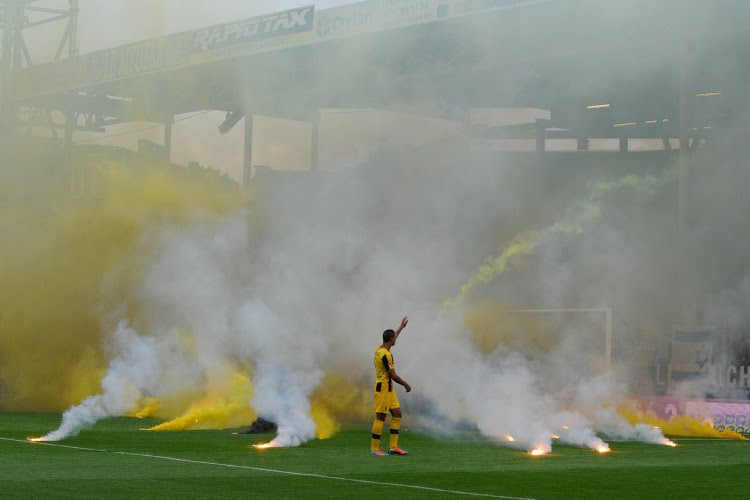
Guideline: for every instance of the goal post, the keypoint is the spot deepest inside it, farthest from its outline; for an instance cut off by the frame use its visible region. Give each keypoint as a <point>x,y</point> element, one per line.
<point>605,312</point>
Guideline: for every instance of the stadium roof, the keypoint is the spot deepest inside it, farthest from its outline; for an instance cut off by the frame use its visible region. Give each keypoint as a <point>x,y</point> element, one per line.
<point>602,68</point>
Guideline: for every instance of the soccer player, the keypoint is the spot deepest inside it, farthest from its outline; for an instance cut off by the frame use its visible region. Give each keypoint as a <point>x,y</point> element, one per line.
<point>385,394</point>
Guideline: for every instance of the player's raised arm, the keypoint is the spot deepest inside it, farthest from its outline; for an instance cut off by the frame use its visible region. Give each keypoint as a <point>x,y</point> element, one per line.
<point>404,322</point>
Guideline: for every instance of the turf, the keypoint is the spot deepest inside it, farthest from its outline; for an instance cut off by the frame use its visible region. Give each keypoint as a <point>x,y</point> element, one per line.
<point>469,464</point>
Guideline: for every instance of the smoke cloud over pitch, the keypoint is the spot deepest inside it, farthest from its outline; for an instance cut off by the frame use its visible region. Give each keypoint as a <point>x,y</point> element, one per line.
<point>197,286</point>
<point>296,289</point>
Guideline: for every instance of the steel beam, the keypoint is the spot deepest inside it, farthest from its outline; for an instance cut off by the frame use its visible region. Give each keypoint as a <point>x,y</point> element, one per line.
<point>7,104</point>
<point>17,17</point>
<point>247,162</point>
<point>168,139</point>
<point>314,141</point>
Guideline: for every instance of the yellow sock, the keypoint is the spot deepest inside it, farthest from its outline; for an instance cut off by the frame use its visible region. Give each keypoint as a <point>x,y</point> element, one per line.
<point>395,426</point>
<point>377,430</point>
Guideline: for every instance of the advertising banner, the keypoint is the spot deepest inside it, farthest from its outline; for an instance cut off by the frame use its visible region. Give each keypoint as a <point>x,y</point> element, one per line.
<point>138,58</point>
<point>693,352</point>
<point>722,413</point>
<point>253,29</point>
<point>222,41</point>
<point>411,12</point>
<point>470,6</point>
<point>348,20</point>
<point>662,407</point>
<point>257,34</point>
<point>244,37</point>
<point>377,15</point>
<point>738,376</point>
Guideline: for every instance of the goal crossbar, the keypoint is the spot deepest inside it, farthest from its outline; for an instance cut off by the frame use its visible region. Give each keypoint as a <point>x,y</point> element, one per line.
<point>607,311</point>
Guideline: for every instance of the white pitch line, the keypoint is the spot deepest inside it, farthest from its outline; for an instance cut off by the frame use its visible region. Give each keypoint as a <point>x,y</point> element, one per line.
<point>276,471</point>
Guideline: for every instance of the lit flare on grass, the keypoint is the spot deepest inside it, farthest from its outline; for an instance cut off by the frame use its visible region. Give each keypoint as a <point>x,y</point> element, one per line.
<point>36,439</point>
<point>668,442</point>
<point>264,446</point>
<point>602,448</point>
<point>509,438</point>
<point>537,452</point>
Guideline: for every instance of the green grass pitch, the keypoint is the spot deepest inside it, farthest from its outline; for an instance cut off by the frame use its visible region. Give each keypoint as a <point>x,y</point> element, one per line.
<point>117,460</point>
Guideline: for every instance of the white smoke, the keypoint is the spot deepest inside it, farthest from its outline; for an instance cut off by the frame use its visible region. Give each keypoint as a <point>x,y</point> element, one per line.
<point>308,284</point>
<point>141,366</point>
<point>241,308</point>
<point>503,393</point>
<point>286,296</point>
<point>616,426</point>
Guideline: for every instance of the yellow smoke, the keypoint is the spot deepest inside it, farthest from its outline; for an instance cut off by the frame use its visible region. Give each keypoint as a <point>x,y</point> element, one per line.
<point>166,407</point>
<point>336,399</point>
<point>147,407</point>
<point>326,425</point>
<point>522,244</point>
<point>584,212</point>
<point>339,398</point>
<point>679,425</point>
<point>491,324</point>
<point>64,230</point>
<point>218,409</point>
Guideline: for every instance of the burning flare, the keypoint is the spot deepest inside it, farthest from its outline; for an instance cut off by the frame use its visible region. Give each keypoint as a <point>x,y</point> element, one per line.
<point>603,448</point>
<point>540,449</point>
<point>263,446</point>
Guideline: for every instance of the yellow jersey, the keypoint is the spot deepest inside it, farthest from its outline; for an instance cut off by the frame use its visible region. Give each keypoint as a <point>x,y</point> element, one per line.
<point>383,363</point>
